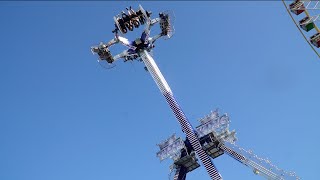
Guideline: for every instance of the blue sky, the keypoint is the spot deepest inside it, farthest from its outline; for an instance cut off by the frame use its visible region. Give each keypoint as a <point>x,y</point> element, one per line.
<point>64,117</point>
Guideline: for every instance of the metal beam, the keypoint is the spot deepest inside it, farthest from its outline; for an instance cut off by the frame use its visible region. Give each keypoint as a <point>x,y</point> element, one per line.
<point>179,114</point>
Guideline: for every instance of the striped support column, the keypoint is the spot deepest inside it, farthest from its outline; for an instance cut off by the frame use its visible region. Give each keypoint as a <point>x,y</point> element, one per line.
<point>179,114</point>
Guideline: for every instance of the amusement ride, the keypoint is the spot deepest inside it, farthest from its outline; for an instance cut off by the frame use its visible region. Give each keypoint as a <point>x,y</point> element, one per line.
<point>212,137</point>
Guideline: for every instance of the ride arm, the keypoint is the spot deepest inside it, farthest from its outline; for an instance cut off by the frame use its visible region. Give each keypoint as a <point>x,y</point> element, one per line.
<point>103,50</point>
<point>121,55</point>
<point>126,55</point>
<point>104,47</point>
<point>149,23</point>
<point>154,38</point>
<point>125,42</point>
<point>165,26</point>
<point>112,41</point>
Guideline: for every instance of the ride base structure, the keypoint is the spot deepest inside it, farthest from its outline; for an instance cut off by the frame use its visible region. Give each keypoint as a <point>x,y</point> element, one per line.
<point>207,141</point>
